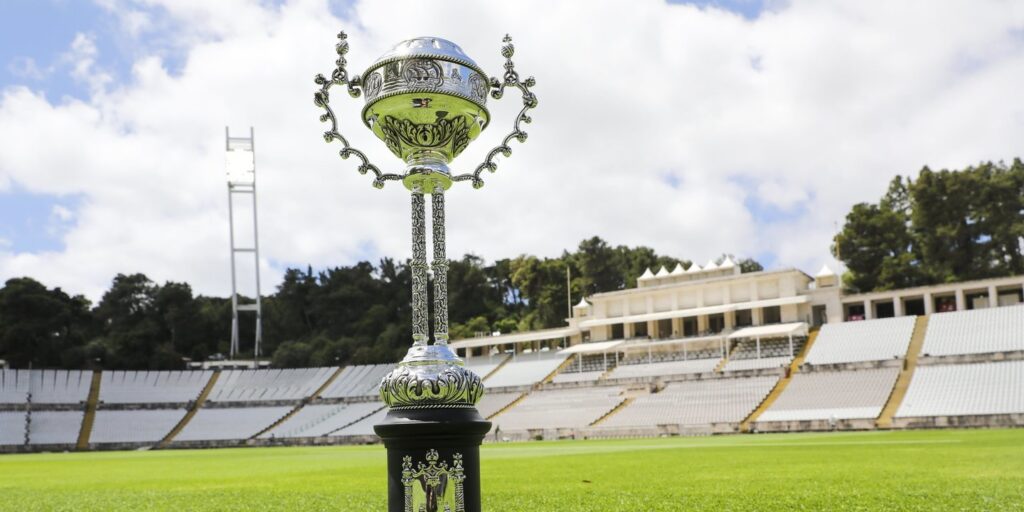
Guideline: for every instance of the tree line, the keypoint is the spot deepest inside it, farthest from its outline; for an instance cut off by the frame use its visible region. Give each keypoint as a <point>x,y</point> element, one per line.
<point>943,226</point>
<point>358,314</point>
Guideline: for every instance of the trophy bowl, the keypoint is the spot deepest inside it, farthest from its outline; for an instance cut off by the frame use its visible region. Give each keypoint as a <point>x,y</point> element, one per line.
<point>427,100</point>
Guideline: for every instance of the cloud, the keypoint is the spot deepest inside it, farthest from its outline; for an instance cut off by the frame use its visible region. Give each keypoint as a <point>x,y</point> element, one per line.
<point>657,125</point>
<point>26,67</point>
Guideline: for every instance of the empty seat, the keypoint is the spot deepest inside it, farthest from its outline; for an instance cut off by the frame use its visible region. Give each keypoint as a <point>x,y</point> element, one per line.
<point>138,426</point>
<point>840,395</point>
<point>644,369</point>
<point>869,340</point>
<point>976,331</point>
<point>526,369</point>
<point>44,386</point>
<point>55,427</point>
<point>12,428</point>
<point>559,408</point>
<point>695,403</point>
<point>965,389</point>
<point>232,423</point>
<point>253,385</point>
<point>141,387</point>
<point>319,420</point>
<point>358,381</point>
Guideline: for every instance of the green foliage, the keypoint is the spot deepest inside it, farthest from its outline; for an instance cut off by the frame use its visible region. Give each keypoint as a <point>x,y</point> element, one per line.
<point>965,470</point>
<point>357,314</point>
<point>946,226</point>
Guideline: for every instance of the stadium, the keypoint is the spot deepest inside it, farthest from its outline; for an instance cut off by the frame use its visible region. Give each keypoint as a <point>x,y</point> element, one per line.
<point>693,351</point>
<point>341,371</point>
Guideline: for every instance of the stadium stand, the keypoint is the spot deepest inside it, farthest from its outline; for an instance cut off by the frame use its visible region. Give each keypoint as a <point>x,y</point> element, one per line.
<point>576,408</point>
<point>320,420</point>
<point>54,427</point>
<point>128,387</point>
<point>659,369</point>
<point>869,340</point>
<point>840,395</point>
<point>134,426</point>
<point>965,389</point>
<point>701,402</point>
<point>590,376</point>
<point>12,428</point>
<point>976,331</point>
<point>772,353</point>
<point>494,402</point>
<point>357,381</point>
<point>45,386</point>
<point>756,364</point>
<point>230,423</point>
<point>483,367</point>
<point>364,427</point>
<point>527,369</point>
<point>260,385</point>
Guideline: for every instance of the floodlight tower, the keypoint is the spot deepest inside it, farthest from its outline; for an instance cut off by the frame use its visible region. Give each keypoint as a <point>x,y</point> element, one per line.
<point>241,177</point>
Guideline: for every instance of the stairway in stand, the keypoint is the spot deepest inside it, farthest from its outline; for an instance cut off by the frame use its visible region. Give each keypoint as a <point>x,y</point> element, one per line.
<point>191,411</point>
<point>90,412</point>
<point>899,390</point>
<point>780,386</point>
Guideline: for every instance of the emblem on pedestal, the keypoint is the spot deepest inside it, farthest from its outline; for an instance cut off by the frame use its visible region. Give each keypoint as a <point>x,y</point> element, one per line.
<point>433,487</point>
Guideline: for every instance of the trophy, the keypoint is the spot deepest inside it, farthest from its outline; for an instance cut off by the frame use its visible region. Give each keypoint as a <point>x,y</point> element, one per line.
<point>427,100</point>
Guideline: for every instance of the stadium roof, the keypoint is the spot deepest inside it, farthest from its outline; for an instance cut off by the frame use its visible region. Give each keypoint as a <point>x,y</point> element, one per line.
<point>591,348</point>
<point>768,331</point>
<point>707,310</point>
<point>516,337</point>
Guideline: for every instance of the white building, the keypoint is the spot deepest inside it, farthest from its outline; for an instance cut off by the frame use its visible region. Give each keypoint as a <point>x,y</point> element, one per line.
<point>705,306</point>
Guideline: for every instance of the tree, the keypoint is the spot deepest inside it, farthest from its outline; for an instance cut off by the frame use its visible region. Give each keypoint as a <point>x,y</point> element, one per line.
<point>944,226</point>
<point>41,327</point>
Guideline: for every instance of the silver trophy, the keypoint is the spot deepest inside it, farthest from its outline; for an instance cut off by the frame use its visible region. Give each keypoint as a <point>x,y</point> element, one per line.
<point>427,100</point>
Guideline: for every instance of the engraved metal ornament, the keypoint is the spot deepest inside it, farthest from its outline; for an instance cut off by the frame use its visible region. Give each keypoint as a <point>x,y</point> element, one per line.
<point>433,486</point>
<point>418,83</point>
<point>436,386</point>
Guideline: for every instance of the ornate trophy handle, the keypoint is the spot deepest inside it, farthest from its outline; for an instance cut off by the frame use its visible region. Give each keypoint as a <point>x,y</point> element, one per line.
<point>498,90</point>
<point>322,99</point>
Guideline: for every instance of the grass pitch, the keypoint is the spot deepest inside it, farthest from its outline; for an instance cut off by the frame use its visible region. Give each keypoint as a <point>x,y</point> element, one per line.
<point>925,470</point>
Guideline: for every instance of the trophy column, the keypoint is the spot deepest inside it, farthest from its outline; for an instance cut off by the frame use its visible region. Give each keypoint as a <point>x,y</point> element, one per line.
<point>433,431</point>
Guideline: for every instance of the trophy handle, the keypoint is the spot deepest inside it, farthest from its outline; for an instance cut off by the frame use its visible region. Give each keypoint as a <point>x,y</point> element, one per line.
<point>498,90</point>
<point>322,99</point>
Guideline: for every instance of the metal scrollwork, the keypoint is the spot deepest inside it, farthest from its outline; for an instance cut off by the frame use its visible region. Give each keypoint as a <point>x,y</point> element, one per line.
<point>430,386</point>
<point>427,135</point>
<point>440,267</point>
<point>419,268</point>
<point>511,79</point>
<point>322,99</point>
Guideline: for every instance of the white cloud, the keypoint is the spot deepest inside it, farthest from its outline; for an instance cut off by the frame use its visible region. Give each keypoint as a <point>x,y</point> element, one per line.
<point>81,57</point>
<point>810,108</point>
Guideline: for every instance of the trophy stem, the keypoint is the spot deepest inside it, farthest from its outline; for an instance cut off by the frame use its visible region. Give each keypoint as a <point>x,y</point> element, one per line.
<point>439,267</point>
<point>419,269</point>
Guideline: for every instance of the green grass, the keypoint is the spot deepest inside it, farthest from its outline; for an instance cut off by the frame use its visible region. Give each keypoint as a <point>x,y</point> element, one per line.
<point>926,470</point>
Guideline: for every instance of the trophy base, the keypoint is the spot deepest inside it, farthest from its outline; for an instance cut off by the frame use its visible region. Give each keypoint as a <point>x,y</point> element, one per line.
<point>433,459</point>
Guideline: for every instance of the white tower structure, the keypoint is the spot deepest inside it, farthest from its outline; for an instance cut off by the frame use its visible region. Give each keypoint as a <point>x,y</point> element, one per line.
<point>241,177</point>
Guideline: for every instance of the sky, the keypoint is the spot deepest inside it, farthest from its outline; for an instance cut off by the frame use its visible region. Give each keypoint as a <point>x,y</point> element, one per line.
<point>697,128</point>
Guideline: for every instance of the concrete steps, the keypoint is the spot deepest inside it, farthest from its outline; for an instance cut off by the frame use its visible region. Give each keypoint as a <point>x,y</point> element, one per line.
<point>899,390</point>
<point>191,412</point>
<point>781,385</point>
<point>90,412</point>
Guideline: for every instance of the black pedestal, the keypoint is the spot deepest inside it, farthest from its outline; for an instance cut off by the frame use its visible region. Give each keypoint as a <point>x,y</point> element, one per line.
<point>433,459</point>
